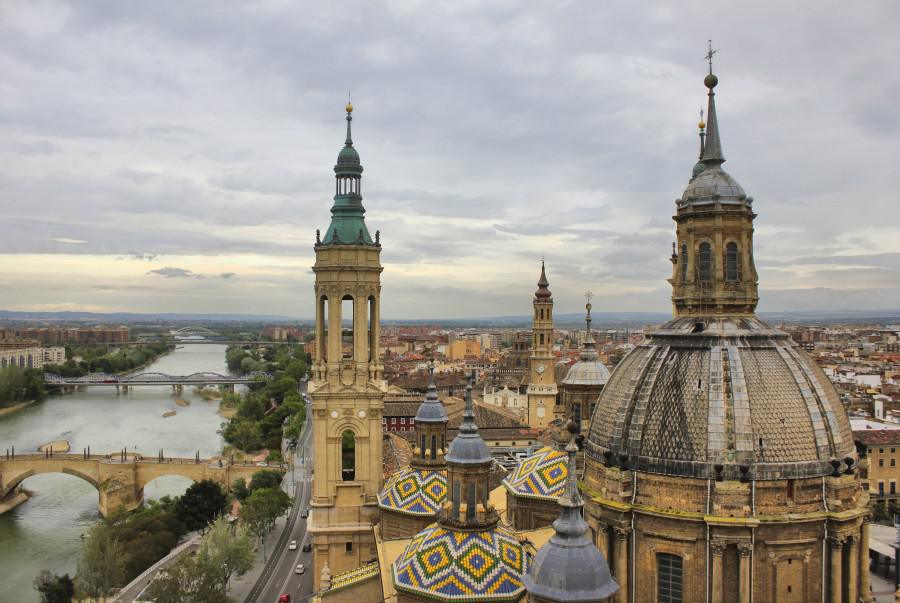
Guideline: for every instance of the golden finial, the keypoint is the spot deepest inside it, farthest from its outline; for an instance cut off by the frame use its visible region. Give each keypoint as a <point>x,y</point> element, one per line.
<point>702,123</point>
<point>349,107</point>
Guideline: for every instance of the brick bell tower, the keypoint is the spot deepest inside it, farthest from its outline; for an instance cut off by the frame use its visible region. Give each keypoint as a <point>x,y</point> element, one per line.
<point>347,388</point>
<point>542,377</point>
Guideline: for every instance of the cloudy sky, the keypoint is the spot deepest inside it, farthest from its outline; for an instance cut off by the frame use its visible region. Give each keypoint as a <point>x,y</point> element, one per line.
<point>177,156</point>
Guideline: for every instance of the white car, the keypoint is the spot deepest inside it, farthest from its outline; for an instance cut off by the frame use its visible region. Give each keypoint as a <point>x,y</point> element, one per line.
<point>292,546</point>
<point>299,569</point>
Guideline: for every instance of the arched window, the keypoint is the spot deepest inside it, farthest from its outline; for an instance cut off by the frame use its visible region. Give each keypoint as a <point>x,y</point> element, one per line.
<point>454,499</point>
<point>470,502</point>
<point>669,578</point>
<point>684,262</point>
<point>422,448</point>
<point>433,447</point>
<point>348,311</point>
<point>704,262</point>
<point>348,456</point>
<point>372,343</point>
<point>542,339</point>
<point>322,331</point>
<point>731,262</point>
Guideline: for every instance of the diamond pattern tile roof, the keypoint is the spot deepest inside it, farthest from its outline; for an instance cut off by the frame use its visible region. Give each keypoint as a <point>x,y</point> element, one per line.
<point>735,394</point>
<point>541,475</point>
<point>445,565</point>
<point>414,492</point>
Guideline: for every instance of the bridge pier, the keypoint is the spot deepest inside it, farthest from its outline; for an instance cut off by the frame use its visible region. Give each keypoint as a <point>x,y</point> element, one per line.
<point>177,389</point>
<point>228,387</point>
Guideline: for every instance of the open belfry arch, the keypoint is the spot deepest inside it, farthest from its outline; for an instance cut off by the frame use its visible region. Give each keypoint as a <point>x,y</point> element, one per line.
<point>347,388</point>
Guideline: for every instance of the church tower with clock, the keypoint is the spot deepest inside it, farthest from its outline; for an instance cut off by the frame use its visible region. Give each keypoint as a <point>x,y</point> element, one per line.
<point>542,377</point>
<point>347,386</point>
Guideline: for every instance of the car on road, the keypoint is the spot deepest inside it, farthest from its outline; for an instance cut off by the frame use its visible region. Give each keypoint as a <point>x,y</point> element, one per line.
<point>284,598</point>
<point>304,514</point>
<point>292,546</point>
<point>307,547</point>
<point>300,569</point>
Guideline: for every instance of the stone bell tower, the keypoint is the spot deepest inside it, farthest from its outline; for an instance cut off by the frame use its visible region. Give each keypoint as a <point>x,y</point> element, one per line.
<point>542,376</point>
<point>347,389</point>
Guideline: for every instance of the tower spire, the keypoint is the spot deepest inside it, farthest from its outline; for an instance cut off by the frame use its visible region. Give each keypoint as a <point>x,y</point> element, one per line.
<point>712,149</point>
<point>349,108</point>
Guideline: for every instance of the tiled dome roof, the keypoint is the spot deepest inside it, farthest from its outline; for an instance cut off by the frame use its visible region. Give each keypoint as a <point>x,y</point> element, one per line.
<point>587,372</point>
<point>447,565</point>
<point>414,492</point>
<point>541,475</point>
<point>720,395</point>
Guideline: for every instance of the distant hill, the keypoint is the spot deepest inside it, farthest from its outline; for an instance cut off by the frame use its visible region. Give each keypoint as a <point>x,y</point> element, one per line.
<point>602,320</point>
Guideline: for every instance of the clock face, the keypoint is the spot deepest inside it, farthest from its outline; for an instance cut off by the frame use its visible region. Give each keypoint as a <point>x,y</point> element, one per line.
<point>540,369</point>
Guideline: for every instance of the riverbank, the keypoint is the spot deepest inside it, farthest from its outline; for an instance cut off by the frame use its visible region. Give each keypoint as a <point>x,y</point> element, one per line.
<point>15,408</point>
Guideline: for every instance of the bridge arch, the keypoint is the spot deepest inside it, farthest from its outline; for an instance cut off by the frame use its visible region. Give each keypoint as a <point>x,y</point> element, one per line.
<point>12,483</point>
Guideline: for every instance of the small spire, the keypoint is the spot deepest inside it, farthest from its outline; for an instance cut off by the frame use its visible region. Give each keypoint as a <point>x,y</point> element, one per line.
<point>349,109</point>
<point>571,496</point>
<point>543,291</point>
<point>712,150</point>
<point>468,422</point>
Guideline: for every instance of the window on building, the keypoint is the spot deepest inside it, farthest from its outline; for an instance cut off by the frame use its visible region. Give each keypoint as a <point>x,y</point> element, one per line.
<point>433,448</point>
<point>470,502</point>
<point>731,262</point>
<point>348,314</point>
<point>349,547</point>
<point>881,451</point>
<point>684,262</point>
<point>348,456</point>
<point>704,268</point>
<point>880,488</point>
<point>893,450</point>
<point>669,578</point>
<point>893,489</point>
<point>893,462</point>
<point>881,462</point>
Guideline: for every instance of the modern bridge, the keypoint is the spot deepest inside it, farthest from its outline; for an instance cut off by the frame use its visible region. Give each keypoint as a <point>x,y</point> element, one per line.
<point>112,380</point>
<point>119,477</point>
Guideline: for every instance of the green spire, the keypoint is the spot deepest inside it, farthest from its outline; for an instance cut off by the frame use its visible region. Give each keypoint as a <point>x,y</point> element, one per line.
<point>348,226</point>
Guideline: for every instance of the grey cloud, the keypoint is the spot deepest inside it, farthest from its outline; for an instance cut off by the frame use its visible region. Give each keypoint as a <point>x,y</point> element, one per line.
<point>227,275</point>
<point>172,272</point>
<point>213,129</point>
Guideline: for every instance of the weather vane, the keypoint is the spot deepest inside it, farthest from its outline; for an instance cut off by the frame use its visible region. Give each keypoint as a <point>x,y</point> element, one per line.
<point>588,295</point>
<point>709,55</point>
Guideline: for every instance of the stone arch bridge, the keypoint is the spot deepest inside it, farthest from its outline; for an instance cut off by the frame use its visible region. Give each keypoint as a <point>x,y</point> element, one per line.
<point>119,480</point>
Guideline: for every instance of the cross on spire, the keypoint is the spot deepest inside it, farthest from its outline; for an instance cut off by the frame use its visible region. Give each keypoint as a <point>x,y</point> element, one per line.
<point>588,295</point>
<point>709,56</point>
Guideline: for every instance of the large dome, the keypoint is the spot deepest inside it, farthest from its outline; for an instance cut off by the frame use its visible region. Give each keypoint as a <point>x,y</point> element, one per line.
<point>727,397</point>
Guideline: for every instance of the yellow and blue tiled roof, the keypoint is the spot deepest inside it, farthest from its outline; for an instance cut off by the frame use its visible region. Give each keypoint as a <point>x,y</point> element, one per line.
<point>414,492</point>
<point>448,565</point>
<point>541,475</point>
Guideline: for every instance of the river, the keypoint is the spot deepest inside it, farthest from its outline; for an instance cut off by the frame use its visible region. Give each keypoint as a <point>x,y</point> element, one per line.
<point>45,531</point>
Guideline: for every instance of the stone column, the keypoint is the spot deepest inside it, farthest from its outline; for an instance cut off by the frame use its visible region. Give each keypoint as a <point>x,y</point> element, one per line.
<point>864,590</point>
<point>718,552</point>
<point>852,566</point>
<point>621,564</point>
<point>603,539</point>
<point>745,551</point>
<point>837,547</point>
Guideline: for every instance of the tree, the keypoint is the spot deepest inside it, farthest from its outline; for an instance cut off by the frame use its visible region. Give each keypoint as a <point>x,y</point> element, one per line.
<point>201,503</point>
<point>101,566</point>
<point>239,489</point>
<point>244,434</point>
<point>54,588</point>
<point>265,479</point>
<point>191,579</point>
<point>228,549</point>
<point>260,510</point>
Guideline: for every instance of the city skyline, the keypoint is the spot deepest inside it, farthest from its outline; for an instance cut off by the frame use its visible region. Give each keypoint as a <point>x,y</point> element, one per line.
<point>180,161</point>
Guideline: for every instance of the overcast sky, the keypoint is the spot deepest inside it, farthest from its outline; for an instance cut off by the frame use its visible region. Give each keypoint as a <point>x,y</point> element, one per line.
<point>177,156</point>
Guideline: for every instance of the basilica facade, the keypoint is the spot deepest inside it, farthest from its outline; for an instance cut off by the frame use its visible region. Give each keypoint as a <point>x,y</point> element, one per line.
<point>718,460</point>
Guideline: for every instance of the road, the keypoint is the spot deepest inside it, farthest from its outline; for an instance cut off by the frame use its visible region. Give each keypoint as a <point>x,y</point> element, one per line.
<point>278,577</point>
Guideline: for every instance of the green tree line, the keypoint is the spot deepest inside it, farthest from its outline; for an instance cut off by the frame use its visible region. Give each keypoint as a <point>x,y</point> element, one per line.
<point>98,359</point>
<point>20,385</point>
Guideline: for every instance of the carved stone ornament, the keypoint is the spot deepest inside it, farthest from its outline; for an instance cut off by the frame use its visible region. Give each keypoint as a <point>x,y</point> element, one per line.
<point>718,548</point>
